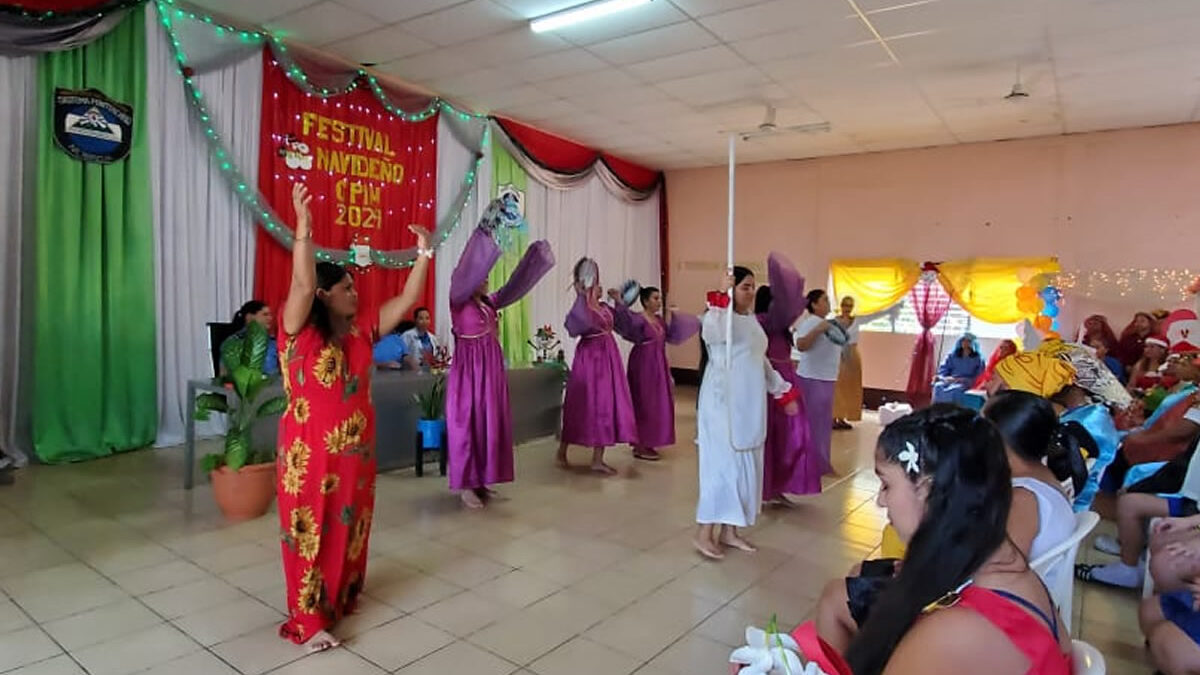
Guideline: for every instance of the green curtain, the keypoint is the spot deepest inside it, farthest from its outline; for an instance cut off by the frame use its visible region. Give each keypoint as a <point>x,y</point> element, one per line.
<point>514,322</point>
<point>94,368</point>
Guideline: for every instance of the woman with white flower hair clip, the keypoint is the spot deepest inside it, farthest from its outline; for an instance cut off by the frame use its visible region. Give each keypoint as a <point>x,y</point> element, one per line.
<point>965,598</point>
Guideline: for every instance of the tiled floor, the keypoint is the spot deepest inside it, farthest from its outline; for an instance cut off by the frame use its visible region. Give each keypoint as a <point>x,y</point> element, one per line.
<point>109,568</point>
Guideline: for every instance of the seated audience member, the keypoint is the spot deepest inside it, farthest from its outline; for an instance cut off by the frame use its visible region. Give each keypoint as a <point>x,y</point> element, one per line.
<point>1102,353</point>
<point>1002,351</point>
<point>391,352</point>
<point>1096,327</point>
<point>958,372</point>
<point>1142,501</point>
<point>1039,519</point>
<point>1133,339</point>
<point>259,312</point>
<point>964,599</point>
<point>421,343</point>
<point>1144,375</point>
<point>1169,619</point>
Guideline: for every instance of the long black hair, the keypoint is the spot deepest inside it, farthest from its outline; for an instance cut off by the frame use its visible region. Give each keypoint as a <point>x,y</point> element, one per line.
<point>812,298</point>
<point>961,455</point>
<point>251,307</point>
<point>1031,429</point>
<point>762,300</point>
<point>328,275</point>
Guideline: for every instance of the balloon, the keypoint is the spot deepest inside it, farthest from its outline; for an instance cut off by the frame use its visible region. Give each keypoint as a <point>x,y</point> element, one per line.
<point>1028,305</point>
<point>1054,326</point>
<point>1050,311</point>
<point>1042,322</point>
<point>1026,274</point>
<point>1049,294</point>
<point>1026,293</point>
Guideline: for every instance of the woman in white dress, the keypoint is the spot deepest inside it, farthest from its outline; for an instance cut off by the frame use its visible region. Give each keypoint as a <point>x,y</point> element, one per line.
<point>732,418</point>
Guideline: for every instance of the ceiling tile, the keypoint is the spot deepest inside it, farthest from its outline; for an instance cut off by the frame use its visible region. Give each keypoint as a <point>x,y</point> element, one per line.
<point>472,82</point>
<point>460,23</point>
<point>687,64</point>
<point>561,64</point>
<point>602,81</point>
<point>634,20</point>
<point>807,40</point>
<point>770,17</point>
<point>532,9</point>
<point>697,8</point>
<point>716,88</point>
<point>323,23</point>
<point>254,12</point>
<point>380,46</point>
<point>654,43</point>
<point>509,96</point>
<point>514,45</point>
<point>431,65</point>
<point>391,11</point>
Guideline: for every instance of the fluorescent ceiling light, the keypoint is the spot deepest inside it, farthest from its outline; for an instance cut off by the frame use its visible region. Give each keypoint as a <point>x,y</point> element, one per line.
<point>587,12</point>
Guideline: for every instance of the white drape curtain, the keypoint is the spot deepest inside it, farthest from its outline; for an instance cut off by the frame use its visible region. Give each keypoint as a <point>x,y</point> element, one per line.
<point>18,109</point>
<point>203,238</point>
<point>454,158</point>
<point>589,220</point>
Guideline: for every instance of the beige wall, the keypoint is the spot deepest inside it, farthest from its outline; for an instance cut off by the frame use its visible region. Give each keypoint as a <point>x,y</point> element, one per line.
<point>1099,201</point>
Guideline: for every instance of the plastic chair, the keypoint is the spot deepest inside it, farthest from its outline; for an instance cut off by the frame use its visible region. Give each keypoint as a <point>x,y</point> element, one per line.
<point>1061,560</point>
<point>1086,659</point>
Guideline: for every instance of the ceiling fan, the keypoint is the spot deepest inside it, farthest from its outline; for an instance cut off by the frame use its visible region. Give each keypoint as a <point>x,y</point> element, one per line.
<point>768,128</point>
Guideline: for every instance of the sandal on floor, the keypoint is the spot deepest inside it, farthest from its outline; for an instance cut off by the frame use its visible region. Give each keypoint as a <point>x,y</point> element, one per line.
<point>648,455</point>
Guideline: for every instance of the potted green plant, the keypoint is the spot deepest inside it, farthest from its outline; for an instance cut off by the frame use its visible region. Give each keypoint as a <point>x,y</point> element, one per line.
<point>431,427</point>
<point>243,477</point>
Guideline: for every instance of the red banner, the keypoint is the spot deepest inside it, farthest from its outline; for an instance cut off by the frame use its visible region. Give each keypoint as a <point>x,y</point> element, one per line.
<point>370,173</point>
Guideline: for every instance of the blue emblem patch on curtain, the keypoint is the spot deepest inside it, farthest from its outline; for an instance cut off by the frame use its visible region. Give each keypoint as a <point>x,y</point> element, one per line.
<point>91,127</point>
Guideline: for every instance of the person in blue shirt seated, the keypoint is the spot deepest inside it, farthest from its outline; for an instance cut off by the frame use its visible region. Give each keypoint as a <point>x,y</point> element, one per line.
<point>392,353</point>
<point>958,372</point>
<point>420,342</point>
<point>1114,364</point>
<point>257,311</point>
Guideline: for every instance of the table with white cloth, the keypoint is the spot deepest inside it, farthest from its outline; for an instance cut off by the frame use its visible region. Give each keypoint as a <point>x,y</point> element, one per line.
<point>535,395</point>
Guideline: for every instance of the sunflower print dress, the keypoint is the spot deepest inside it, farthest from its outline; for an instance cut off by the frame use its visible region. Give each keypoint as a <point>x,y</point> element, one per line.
<point>325,470</point>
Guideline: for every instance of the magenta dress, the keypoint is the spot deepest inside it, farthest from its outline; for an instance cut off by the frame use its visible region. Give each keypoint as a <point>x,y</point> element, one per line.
<point>478,419</point>
<point>597,410</point>
<point>789,465</point>
<point>649,373</point>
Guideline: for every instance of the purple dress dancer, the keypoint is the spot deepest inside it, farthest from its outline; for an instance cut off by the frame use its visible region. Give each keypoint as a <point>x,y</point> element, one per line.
<point>478,419</point>
<point>789,465</point>
<point>649,374</point>
<point>597,409</point>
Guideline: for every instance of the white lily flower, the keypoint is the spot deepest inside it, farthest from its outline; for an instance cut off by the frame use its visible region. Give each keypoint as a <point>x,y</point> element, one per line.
<point>770,654</point>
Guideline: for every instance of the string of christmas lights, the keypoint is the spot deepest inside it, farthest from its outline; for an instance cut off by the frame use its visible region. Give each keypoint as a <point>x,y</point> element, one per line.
<point>253,199</point>
<point>1167,285</point>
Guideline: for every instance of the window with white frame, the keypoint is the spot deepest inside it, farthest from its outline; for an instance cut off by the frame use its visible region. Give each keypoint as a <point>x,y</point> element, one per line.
<point>902,318</point>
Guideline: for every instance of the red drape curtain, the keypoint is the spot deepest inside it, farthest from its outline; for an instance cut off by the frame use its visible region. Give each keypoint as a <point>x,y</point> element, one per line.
<point>930,302</point>
<point>370,173</point>
<point>560,155</point>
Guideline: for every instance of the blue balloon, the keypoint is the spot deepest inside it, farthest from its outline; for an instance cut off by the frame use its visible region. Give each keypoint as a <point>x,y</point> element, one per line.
<point>1054,325</point>
<point>1050,294</point>
<point>1050,311</point>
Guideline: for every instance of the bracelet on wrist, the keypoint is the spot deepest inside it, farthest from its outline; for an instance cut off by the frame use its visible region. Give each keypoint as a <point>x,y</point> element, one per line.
<point>427,252</point>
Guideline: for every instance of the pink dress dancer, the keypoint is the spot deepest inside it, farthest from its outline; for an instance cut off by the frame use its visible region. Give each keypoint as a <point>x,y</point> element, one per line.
<point>597,409</point>
<point>478,418</point>
<point>789,465</point>
<point>649,372</point>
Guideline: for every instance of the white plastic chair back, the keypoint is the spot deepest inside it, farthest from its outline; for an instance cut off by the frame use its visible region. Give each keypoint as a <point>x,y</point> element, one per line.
<point>1086,659</point>
<point>1061,560</point>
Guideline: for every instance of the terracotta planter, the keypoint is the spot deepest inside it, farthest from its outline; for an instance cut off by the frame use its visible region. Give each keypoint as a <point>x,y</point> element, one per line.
<point>246,493</point>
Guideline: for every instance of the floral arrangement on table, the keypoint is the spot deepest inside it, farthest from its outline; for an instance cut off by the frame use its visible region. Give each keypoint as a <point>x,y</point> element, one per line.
<point>438,360</point>
<point>433,402</point>
<point>770,652</point>
<point>544,343</point>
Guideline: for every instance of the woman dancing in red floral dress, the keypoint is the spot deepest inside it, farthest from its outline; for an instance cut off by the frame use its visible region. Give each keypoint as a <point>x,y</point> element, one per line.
<point>326,460</point>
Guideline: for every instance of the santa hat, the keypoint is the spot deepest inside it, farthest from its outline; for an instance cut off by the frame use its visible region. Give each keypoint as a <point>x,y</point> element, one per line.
<point>1158,340</point>
<point>1183,331</point>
